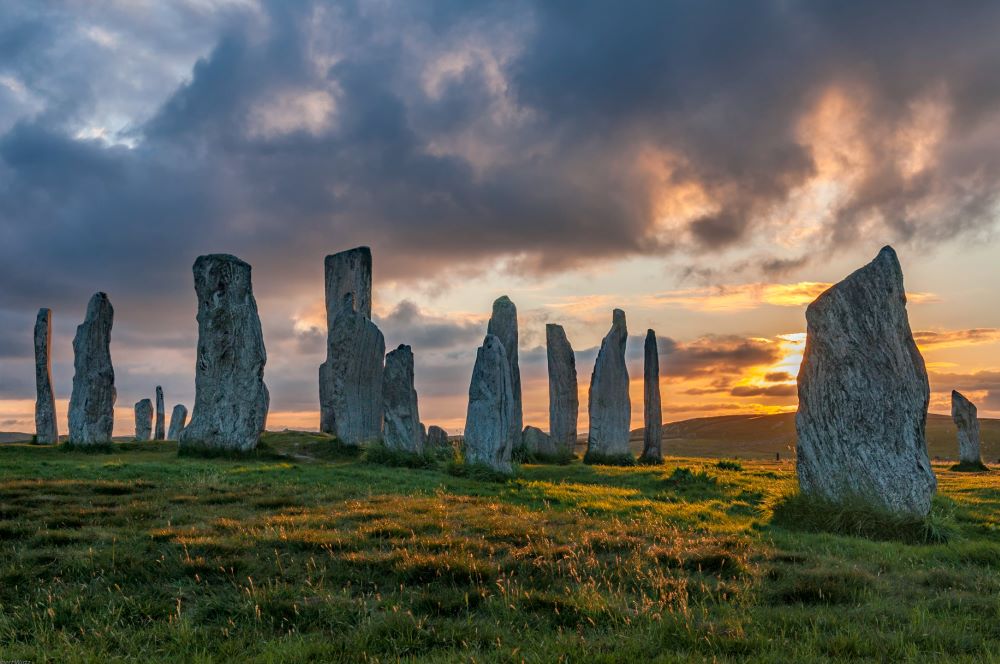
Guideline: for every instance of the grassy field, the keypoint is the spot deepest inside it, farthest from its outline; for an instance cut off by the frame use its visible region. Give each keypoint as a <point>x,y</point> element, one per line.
<point>305,555</point>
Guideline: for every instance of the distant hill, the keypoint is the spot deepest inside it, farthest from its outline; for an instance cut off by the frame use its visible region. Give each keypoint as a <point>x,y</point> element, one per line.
<point>15,437</point>
<point>762,436</point>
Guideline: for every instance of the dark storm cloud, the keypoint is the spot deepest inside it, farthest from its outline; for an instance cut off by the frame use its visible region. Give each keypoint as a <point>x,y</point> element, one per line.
<point>709,355</point>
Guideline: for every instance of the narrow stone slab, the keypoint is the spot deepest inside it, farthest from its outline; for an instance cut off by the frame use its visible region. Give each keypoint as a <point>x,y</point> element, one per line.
<point>143,419</point>
<point>231,400</point>
<point>348,272</point>
<point>966,417</point>
<point>160,431</point>
<point>92,403</point>
<point>401,428</point>
<point>437,437</point>
<point>488,440</point>
<point>538,442</point>
<point>178,418</point>
<point>610,404</point>
<point>653,409</point>
<point>46,427</point>
<point>863,396</point>
<point>503,325</point>
<point>564,396</point>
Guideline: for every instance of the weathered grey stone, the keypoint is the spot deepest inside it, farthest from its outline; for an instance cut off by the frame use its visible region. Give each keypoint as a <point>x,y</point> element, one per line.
<point>423,434</point>
<point>46,429</point>
<point>538,442</point>
<point>966,417</point>
<point>401,429</point>
<point>610,404</point>
<point>160,431</point>
<point>231,400</point>
<point>143,419</point>
<point>863,396</point>
<point>653,411</point>
<point>92,403</point>
<point>488,440</point>
<point>348,272</point>
<point>351,377</point>
<point>437,437</point>
<point>178,418</point>
<point>503,325</point>
<point>564,397</point>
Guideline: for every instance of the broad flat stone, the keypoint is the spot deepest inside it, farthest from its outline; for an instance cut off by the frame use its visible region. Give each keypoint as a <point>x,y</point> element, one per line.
<point>143,419</point>
<point>178,418</point>
<point>92,403</point>
<point>46,428</point>
<point>401,428</point>
<point>160,431</point>
<point>610,404</point>
<point>653,410</point>
<point>503,325</point>
<point>966,417</point>
<point>488,440</point>
<point>231,400</point>
<point>564,397</point>
<point>538,442</point>
<point>863,396</point>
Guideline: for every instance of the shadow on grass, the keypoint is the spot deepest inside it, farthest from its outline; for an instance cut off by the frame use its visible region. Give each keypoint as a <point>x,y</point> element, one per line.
<point>970,467</point>
<point>263,452</point>
<point>598,459</point>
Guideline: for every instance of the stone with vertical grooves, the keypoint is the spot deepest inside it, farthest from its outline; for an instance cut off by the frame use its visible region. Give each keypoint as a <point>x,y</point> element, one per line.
<point>159,433</point>
<point>609,403</point>
<point>863,396</point>
<point>437,437</point>
<point>46,427</point>
<point>564,397</point>
<point>503,325</point>
<point>401,429</point>
<point>652,407</point>
<point>178,418</point>
<point>488,440</point>
<point>92,403</point>
<point>143,419</point>
<point>966,417</point>
<point>231,399</point>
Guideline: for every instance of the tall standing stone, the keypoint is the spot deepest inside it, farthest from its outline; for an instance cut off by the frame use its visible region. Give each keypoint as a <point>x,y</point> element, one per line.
<point>231,400</point>
<point>178,418</point>
<point>143,419</point>
<point>92,403</point>
<point>966,417</point>
<point>401,429</point>
<point>160,431</point>
<point>610,404</point>
<point>653,408</point>
<point>348,272</point>
<point>488,440</point>
<point>863,396</point>
<point>503,325</point>
<point>436,437</point>
<point>564,397</point>
<point>46,429</point>
<point>351,406</point>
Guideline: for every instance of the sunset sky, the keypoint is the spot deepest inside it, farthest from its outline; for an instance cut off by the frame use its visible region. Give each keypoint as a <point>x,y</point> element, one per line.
<point>708,167</point>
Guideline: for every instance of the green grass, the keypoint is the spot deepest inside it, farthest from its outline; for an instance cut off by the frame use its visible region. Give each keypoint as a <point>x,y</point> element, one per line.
<point>320,553</point>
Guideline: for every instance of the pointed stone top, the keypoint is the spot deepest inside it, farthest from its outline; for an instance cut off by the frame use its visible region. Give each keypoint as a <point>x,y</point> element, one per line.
<point>959,400</point>
<point>492,342</point>
<point>97,301</point>
<point>502,301</point>
<point>865,286</point>
<point>650,333</point>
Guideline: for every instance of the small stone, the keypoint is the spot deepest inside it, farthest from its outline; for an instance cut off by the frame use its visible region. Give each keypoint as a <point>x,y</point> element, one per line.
<point>231,400</point>
<point>503,325</point>
<point>437,437</point>
<point>564,397</point>
<point>966,417</point>
<point>488,440</point>
<point>863,396</point>
<point>653,412</point>
<point>178,418</point>
<point>143,419</point>
<point>538,442</point>
<point>46,428</point>
<point>610,405</point>
<point>160,432</point>
<point>401,428</point>
<point>92,404</point>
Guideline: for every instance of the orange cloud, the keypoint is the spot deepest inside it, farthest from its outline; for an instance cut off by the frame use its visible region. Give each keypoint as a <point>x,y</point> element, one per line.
<point>934,339</point>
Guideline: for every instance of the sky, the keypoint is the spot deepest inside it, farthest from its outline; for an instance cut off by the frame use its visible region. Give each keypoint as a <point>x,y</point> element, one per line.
<point>708,167</point>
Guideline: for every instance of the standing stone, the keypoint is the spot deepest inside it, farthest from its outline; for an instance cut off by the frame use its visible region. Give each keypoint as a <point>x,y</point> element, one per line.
<point>437,437</point>
<point>966,417</point>
<point>610,405</point>
<point>491,399</point>
<point>348,272</point>
<point>564,397</point>
<point>863,396</point>
<point>160,415</point>
<point>143,419</point>
<point>401,429</point>
<point>92,403</point>
<point>653,414</point>
<point>231,400</point>
<point>503,325</point>
<point>46,429</point>
<point>538,442</point>
<point>178,418</point>
<point>351,377</point>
